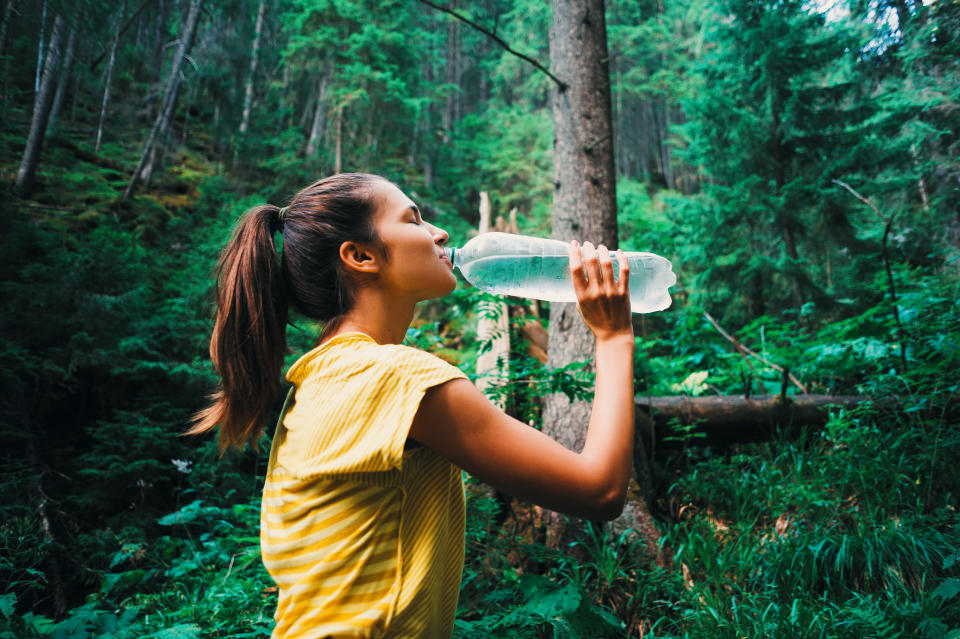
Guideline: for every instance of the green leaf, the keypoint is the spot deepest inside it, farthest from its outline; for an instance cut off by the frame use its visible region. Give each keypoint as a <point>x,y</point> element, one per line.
<point>948,589</point>
<point>179,631</point>
<point>8,602</point>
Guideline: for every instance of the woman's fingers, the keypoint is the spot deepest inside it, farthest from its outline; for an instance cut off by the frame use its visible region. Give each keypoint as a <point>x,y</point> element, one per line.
<point>577,274</point>
<point>603,300</point>
<point>591,265</point>
<point>623,283</point>
<point>606,269</point>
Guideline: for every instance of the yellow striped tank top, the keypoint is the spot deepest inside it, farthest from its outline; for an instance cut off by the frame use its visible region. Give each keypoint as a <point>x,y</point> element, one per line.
<point>363,538</point>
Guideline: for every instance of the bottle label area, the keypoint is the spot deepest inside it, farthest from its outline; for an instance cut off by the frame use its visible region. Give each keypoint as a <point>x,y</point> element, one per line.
<point>546,277</point>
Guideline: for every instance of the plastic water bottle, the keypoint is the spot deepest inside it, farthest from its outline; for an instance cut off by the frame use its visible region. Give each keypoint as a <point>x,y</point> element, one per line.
<point>537,268</point>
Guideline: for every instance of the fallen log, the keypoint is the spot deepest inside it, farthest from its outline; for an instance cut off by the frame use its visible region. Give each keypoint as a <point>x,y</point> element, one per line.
<point>732,419</point>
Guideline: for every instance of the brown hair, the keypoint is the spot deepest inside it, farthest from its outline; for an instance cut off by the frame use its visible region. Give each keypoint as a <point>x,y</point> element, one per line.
<point>255,289</point>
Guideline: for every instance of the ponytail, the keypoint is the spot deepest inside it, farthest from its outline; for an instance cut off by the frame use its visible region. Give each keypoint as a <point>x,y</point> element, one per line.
<point>249,334</point>
<point>254,292</point>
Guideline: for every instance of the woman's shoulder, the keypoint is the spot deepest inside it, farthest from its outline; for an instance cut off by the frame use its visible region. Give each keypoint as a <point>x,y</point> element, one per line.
<point>411,360</point>
<point>352,350</point>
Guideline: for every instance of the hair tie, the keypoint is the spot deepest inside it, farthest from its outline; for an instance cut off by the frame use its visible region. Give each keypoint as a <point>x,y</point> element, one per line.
<point>281,214</point>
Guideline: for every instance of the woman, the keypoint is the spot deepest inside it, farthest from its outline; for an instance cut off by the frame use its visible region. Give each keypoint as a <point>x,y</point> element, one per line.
<point>363,512</point>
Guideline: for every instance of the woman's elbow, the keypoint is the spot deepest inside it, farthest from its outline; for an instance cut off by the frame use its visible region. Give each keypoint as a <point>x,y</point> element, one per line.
<point>607,504</point>
<point>612,506</point>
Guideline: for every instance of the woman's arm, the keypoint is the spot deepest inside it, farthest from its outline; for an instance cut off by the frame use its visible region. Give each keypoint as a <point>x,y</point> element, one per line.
<point>458,421</point>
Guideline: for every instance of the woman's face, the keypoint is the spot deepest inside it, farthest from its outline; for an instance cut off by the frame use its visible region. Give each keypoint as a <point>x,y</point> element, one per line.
<point>414,265</point>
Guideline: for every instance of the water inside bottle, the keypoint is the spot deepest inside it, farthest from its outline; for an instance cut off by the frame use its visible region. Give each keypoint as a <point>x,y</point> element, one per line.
<point>545,277</point>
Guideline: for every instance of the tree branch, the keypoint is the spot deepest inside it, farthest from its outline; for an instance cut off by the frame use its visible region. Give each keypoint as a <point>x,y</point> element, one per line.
<point>562,86</point>
<point>887,223</point>
<point>120,31</point>
<point>746,351</point>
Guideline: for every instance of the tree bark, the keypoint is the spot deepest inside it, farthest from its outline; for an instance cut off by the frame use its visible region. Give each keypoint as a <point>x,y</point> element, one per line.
<point>338,148</point>
<point>584,200</point>
<point>158,38</point>
<point>449,112</point>
<point>38,76</point>
<point>41,111</point>
<point>254,59</point>
<point>7,9</point>
<point>169,97</point>
<point>730,419</point>
<point>105,102</point>
<point>319,119</point>
<point>63,79</point>
<point>6,60</point>
<point>40,499</point>
<point>493,328</point>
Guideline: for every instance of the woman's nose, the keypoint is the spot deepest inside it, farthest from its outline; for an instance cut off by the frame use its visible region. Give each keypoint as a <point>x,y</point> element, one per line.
<point>440,236</point>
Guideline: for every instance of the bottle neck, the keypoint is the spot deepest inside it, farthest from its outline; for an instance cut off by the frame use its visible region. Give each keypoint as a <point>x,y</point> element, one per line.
<point>453,254</point>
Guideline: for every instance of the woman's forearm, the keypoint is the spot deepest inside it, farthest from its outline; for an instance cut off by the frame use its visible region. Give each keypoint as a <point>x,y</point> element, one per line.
<point>609,442</point>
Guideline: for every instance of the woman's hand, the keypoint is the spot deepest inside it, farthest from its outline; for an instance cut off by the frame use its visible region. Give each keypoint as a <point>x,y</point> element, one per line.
<point>604,302</point>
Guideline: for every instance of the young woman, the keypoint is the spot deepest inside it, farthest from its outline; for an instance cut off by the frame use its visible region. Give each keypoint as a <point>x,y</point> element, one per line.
<point>363,511</point>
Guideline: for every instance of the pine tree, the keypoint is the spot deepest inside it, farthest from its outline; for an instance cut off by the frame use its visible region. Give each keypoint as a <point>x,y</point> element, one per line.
<point>777,118</point>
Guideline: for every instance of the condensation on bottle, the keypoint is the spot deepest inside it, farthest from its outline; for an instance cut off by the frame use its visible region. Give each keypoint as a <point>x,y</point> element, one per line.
<point>537,268</point>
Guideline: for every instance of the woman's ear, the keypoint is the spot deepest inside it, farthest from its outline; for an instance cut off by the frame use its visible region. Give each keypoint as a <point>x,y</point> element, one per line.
<point>359,258</point>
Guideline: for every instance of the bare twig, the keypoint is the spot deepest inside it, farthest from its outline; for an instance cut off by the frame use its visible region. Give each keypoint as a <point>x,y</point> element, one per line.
<point>746,351</point>
<point>887,224</point>
<point>562,86</point>
<point>120,32</point>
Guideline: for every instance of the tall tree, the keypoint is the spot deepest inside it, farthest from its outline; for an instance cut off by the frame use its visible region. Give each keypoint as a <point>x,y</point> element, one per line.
<point>41,109</point>
<point>108,77</point>
<point>64,78</point>
<point>4,23</point>
<point>252,73</point>
<point>184,39</point>
<point>584,196</point>
<point>319,118</point>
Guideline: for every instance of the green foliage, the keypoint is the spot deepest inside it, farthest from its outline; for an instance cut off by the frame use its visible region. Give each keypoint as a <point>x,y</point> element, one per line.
<point>733,118</point>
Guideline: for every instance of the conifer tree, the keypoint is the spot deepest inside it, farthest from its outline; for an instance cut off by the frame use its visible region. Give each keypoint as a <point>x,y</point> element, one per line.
<point>778,117</point>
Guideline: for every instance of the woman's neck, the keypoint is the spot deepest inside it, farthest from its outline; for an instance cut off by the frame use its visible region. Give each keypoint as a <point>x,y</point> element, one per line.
<point>386,321</point>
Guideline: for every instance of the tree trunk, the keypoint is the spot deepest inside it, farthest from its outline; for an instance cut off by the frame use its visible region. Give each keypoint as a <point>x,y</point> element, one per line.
<point>169,97</point>
<point>730,419</point>
<point>41,110</point>
<point>186,118</point>
<point>7,9</point>
<point>285,107</point>
<point>449,112</point>
<point>104,103</point>
<point>37,78</point>
<point>254,58</point>
<point>6,60</point>
<point>319,119</point>
<point>584,200</point>
<point>493,328</point>
<point>159,26</point>
<point>39,498</point>
<point>338,157</point>
<point>64,79</point>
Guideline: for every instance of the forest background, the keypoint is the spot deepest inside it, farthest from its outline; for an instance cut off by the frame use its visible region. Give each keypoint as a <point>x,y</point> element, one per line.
<point>797,162</point>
